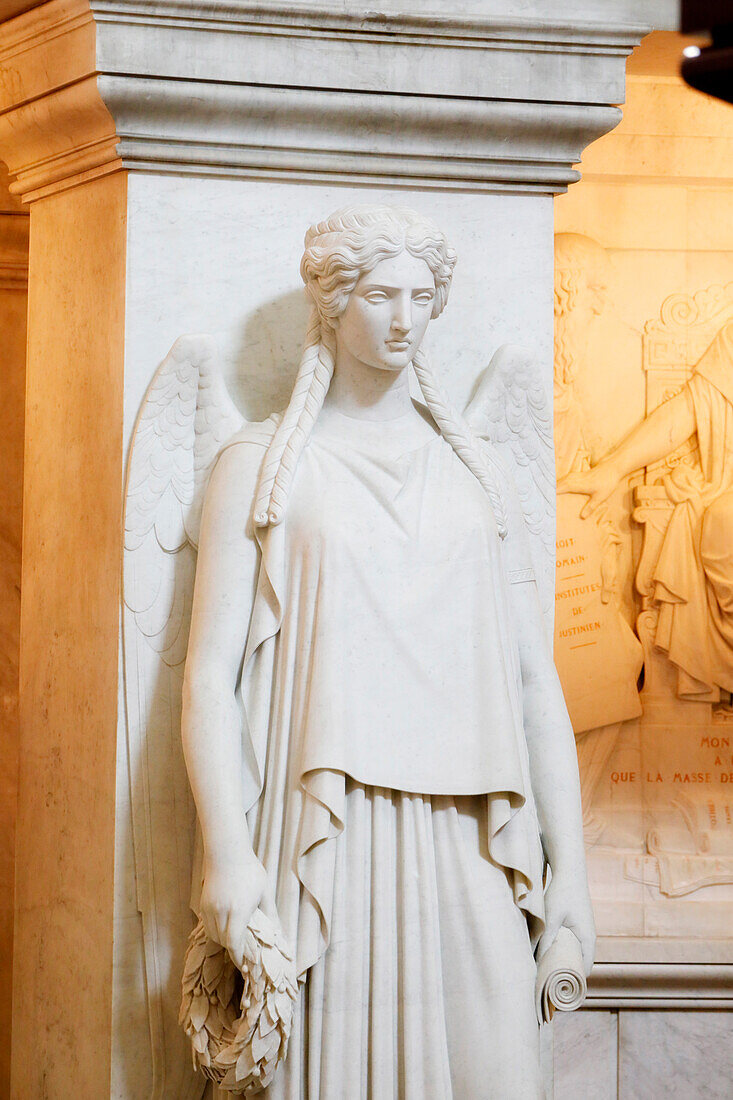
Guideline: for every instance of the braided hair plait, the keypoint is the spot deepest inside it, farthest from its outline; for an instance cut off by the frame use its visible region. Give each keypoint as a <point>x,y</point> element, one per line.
<point>311,385</point>
<point>454,429</point>
<point>338,251</point>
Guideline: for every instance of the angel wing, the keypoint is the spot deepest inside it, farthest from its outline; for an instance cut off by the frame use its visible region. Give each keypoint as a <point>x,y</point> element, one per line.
<point>511,407</point>
<point>186,418</point>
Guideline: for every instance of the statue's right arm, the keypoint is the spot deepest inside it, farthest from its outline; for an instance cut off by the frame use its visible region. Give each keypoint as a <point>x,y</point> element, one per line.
<point>226,573</point>
<point>663,431</point>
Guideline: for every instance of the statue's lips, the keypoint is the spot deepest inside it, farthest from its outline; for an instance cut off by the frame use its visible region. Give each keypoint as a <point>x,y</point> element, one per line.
<point>398,345</point>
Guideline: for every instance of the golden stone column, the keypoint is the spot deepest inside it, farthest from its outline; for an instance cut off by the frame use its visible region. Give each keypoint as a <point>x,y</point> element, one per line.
<point>58,142</point>
<point>13,308</point>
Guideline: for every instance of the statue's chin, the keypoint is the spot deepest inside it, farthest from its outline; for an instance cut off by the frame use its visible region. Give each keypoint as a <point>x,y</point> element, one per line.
<point>394,361</point>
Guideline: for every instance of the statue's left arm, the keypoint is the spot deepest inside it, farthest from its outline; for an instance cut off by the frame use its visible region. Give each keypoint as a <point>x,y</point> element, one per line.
<point>554,775</point>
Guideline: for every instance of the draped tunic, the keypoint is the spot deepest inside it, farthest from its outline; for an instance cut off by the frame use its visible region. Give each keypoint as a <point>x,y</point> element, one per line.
<point>381,647</point>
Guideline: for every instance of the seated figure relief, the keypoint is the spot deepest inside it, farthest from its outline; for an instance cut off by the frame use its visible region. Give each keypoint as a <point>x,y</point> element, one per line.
<point>693,576</point>
<point>645,586</point>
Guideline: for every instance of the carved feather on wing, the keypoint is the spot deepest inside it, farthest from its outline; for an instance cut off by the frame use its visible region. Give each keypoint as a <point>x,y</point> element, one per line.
<point>512,408</point>
<point>185,420</point>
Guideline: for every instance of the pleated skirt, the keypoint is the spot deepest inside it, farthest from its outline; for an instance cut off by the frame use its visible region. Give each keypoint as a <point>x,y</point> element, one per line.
<point>426,990</point>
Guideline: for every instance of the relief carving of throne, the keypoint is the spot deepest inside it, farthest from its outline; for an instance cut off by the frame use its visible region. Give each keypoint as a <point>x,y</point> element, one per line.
<point>671,346</point>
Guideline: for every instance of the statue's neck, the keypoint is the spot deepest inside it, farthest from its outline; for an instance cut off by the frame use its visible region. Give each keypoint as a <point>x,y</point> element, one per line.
<point>368,393</point>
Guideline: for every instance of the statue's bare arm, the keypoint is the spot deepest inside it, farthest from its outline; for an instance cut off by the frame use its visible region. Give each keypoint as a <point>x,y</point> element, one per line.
<point>226,574</point>
<point>554,773</point>
<point>663,431</point>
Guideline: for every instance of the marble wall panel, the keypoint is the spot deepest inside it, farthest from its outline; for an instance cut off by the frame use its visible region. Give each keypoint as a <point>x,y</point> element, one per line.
<point>642,1055</point>
<point>585,1055</point>
<point>677,1055</point>
<point>236,276</point>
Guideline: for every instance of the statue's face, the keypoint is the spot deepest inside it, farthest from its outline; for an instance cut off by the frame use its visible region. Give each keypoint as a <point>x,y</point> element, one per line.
<point>387,313</point>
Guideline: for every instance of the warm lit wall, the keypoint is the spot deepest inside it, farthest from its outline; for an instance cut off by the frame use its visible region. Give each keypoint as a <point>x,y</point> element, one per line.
<point>69,627</point>
<point>13,308</point>
<point>656,194</point>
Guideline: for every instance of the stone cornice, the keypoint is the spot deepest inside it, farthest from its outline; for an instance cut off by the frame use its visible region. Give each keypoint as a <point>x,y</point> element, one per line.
<point>284,44</point>
<point>13,251</point>
<point>294,15</point>
<point>348,137</point>
<point>660,985</point>
<point>55,131</point>
<point>311,92</point>
<point>661,973</point>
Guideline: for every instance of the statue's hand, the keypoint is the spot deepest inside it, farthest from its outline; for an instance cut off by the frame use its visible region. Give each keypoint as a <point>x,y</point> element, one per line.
<point>232,890</point>
<point>568,905</point>
<point>597,484</point>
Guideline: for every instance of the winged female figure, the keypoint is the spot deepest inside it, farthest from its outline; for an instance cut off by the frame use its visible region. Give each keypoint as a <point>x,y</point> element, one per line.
<point>373,728</point>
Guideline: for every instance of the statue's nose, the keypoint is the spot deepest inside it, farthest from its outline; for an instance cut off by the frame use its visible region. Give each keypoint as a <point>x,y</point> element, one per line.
<point>401,319</point>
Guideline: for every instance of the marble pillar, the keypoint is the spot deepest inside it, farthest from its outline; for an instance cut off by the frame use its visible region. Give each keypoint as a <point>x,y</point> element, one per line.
<point>162,148</point>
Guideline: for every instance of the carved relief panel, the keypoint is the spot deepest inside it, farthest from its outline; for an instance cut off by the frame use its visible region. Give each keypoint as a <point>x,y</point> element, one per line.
<point>644,607</point>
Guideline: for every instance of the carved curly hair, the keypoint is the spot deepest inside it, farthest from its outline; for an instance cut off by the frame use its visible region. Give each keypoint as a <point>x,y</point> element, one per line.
<point>338,251</point>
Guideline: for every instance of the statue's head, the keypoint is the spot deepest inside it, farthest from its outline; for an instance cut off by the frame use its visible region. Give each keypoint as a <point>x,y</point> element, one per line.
<point>376,276</point>
<point>352,242</point>
<point>582,275</point>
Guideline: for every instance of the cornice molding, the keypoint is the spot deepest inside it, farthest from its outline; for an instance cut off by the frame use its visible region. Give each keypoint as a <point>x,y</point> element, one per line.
<point>55,130</point>
<point>283,44</point>
<point>239,130</point>
<point>289,16</point>
<point>638,972</point>
<point>660,985</point>
<point>14,251</point>
<point>309,92</point>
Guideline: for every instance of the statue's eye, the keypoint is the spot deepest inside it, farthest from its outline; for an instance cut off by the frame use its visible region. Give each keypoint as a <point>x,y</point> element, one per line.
<point>376,296</point>
<point>424,298</point>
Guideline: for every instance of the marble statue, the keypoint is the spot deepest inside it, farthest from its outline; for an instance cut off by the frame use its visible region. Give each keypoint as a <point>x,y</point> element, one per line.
<point>374,732</point>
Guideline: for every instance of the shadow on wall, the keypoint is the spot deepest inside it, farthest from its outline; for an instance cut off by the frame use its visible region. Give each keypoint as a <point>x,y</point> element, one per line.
<point>267,355</point>
<point>259,373</point>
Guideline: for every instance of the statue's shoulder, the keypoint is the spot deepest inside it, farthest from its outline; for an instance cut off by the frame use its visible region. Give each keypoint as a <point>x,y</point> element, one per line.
<point>252,437</point>
<point>240,459</point>
<point>246,448</point>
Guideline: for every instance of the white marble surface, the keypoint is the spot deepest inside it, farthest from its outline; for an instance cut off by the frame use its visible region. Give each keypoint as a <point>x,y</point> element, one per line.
<point>676,1055</point>
<point>505,99</point>
<point>643,1055</point>
<point>497,96</point>
<point>585,1055</point>
<point>662,13</point>
<point>193,244</point>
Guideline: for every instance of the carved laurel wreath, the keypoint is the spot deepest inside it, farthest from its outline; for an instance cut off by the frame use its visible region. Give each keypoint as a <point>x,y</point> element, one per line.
<point>239,1021</point>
